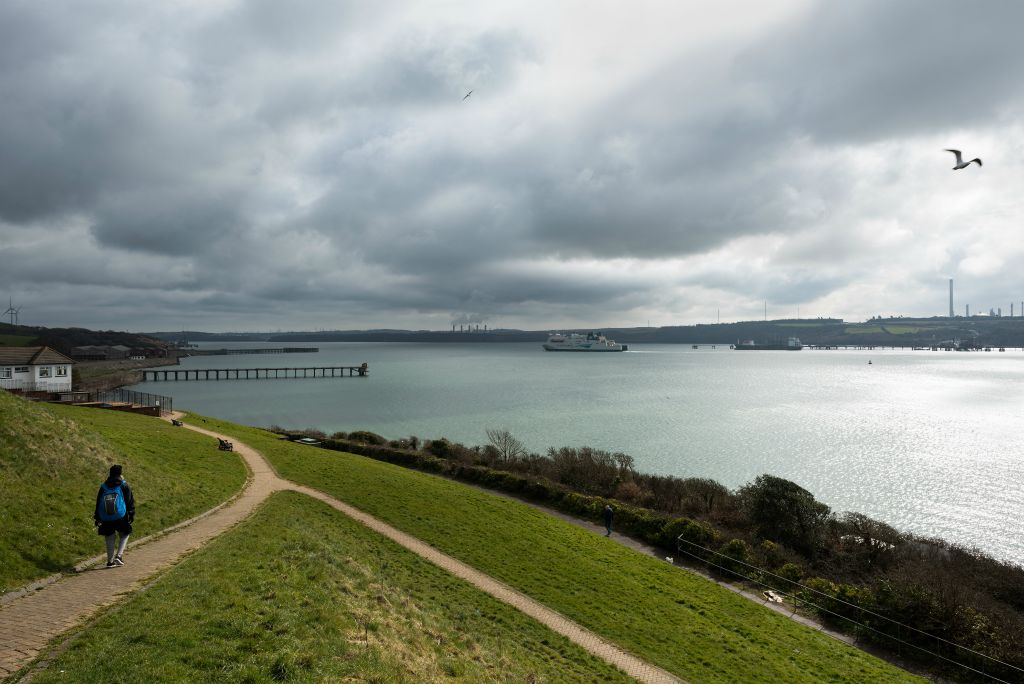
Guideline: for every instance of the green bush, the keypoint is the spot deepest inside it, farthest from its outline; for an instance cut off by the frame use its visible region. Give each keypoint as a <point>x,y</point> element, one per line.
<point>737,556</point>
<point>837,599</point>
<point>366,437</point>
<point>441,448</point>
<point>677,532</point>
<point>770,552</point>
<point>792,573</point>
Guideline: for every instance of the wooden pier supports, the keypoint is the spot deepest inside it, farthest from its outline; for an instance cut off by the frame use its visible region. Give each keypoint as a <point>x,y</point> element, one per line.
<point>156,375</point>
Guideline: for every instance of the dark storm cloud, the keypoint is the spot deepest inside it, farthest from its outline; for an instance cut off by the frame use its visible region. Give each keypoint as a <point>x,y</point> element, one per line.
<point>176,222</point>
<point>316,160</point>
<point>875,69</point>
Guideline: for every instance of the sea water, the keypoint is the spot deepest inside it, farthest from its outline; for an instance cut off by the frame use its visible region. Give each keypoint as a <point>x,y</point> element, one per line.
<point>929,442</point>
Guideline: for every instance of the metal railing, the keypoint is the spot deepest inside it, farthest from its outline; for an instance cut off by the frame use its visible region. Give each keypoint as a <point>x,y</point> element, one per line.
<point>160,401</point>
<point>36,385</point>
<point>121,396</point>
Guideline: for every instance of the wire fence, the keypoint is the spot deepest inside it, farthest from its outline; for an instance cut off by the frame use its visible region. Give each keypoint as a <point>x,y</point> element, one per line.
<point>799,595</point>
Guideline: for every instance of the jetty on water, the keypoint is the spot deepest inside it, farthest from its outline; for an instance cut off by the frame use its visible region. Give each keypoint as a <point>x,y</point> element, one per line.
<point>161,374</point>
<point>264,350</point>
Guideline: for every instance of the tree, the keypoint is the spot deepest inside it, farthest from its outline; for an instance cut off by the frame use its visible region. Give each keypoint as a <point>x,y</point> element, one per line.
<point>872,538</point>
<point>705,493</point>
<point>784,511</point>
<point>509,448</point>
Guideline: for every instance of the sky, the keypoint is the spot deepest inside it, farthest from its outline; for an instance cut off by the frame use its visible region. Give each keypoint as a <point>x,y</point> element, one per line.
<point>251,166</point>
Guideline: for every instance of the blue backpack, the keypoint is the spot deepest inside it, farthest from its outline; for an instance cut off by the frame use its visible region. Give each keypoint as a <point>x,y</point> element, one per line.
<point>111,503</point>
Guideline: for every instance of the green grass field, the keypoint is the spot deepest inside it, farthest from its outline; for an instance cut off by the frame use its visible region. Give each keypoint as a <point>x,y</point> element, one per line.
<point>902,329</point>
<point>892,329</point>
<point>15,340</point>
<point>52,460</point>
<point>301,593</point>
<point>683,623</point>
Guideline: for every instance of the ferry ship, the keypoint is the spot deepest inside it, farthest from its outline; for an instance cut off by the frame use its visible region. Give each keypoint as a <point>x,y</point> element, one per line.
<point>591,342</point>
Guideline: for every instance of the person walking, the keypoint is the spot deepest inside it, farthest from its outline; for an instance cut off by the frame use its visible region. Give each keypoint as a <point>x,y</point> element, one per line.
<point>609,514</point>
<point>115,512</point>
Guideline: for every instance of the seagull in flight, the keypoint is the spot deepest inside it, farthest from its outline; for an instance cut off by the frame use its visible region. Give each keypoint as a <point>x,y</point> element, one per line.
<point>960,163</point>
<point>467,95</point>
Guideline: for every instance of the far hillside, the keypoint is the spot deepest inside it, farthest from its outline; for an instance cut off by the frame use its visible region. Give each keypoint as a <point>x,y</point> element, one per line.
<point>65,339</point>
<point>992,331</point>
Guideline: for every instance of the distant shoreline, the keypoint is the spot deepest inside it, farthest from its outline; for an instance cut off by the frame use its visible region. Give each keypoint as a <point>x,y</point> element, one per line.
<point>905,332</point>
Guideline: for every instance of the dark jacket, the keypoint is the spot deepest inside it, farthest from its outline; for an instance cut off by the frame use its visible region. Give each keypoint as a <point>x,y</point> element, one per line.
<point>609,513</point>
<point>126,492</point>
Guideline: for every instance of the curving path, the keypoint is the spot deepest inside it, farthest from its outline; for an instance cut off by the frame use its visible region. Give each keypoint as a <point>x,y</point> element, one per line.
<point>30,622</point>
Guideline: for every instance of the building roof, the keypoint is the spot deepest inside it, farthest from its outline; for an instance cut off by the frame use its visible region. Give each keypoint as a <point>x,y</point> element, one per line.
<point>31,356</point>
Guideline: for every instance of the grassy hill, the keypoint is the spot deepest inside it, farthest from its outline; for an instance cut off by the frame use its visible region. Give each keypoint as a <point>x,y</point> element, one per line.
<point>52,460</point>
<point>678,621</point>
<point>16,340</point>
<point>300,592</point>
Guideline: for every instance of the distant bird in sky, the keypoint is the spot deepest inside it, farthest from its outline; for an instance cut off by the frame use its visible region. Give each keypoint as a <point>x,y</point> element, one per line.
<point>467,95</point>
<point>960,163</point>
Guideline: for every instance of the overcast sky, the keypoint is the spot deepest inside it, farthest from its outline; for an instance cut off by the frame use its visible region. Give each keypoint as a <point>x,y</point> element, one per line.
<point>312,165</point>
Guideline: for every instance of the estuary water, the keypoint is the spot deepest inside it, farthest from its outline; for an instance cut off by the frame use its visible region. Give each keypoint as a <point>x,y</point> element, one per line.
<point>929,442</point>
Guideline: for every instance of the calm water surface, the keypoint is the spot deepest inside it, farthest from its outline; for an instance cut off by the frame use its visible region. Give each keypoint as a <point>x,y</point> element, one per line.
<point>927,441</point>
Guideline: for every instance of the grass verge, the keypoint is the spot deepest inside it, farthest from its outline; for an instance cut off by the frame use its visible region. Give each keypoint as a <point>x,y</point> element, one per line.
<point>299,592</point>
<point>52,460</point>
<point>680,622</point>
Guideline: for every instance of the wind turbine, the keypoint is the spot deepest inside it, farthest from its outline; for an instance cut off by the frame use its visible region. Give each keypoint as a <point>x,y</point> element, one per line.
<point>12,312</point>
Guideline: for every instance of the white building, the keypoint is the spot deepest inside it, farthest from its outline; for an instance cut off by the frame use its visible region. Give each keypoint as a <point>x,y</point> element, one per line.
<point>34,369</point>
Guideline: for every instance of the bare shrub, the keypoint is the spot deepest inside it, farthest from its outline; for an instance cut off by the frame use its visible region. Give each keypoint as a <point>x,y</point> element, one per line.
<point>508,447</point>
<point>589,470</point>
<point>630,492</point>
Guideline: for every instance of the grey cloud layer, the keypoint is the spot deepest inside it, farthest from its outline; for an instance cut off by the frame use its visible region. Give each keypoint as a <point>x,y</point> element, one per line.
<point>318,160</point>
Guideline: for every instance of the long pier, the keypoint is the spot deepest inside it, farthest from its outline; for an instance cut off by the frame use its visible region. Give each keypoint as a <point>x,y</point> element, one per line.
<point>254,373</point>
<point>937,347</point>
<point>265,350</point>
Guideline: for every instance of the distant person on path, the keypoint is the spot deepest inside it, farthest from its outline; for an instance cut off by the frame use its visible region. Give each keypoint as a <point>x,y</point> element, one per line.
<point>609,514</point>
<point>115,512</point>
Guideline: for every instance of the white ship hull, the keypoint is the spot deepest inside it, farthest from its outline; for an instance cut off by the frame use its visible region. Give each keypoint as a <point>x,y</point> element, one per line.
<point>593,342</point>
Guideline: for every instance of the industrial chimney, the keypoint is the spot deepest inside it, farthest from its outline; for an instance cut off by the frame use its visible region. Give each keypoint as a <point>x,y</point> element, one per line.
<point>950,297</point>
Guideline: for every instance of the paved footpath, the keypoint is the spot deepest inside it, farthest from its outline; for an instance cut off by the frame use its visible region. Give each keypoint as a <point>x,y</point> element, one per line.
<point>30,622</point>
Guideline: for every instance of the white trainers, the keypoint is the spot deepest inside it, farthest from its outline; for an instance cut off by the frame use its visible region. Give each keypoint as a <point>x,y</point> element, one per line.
<point>118,560</point>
